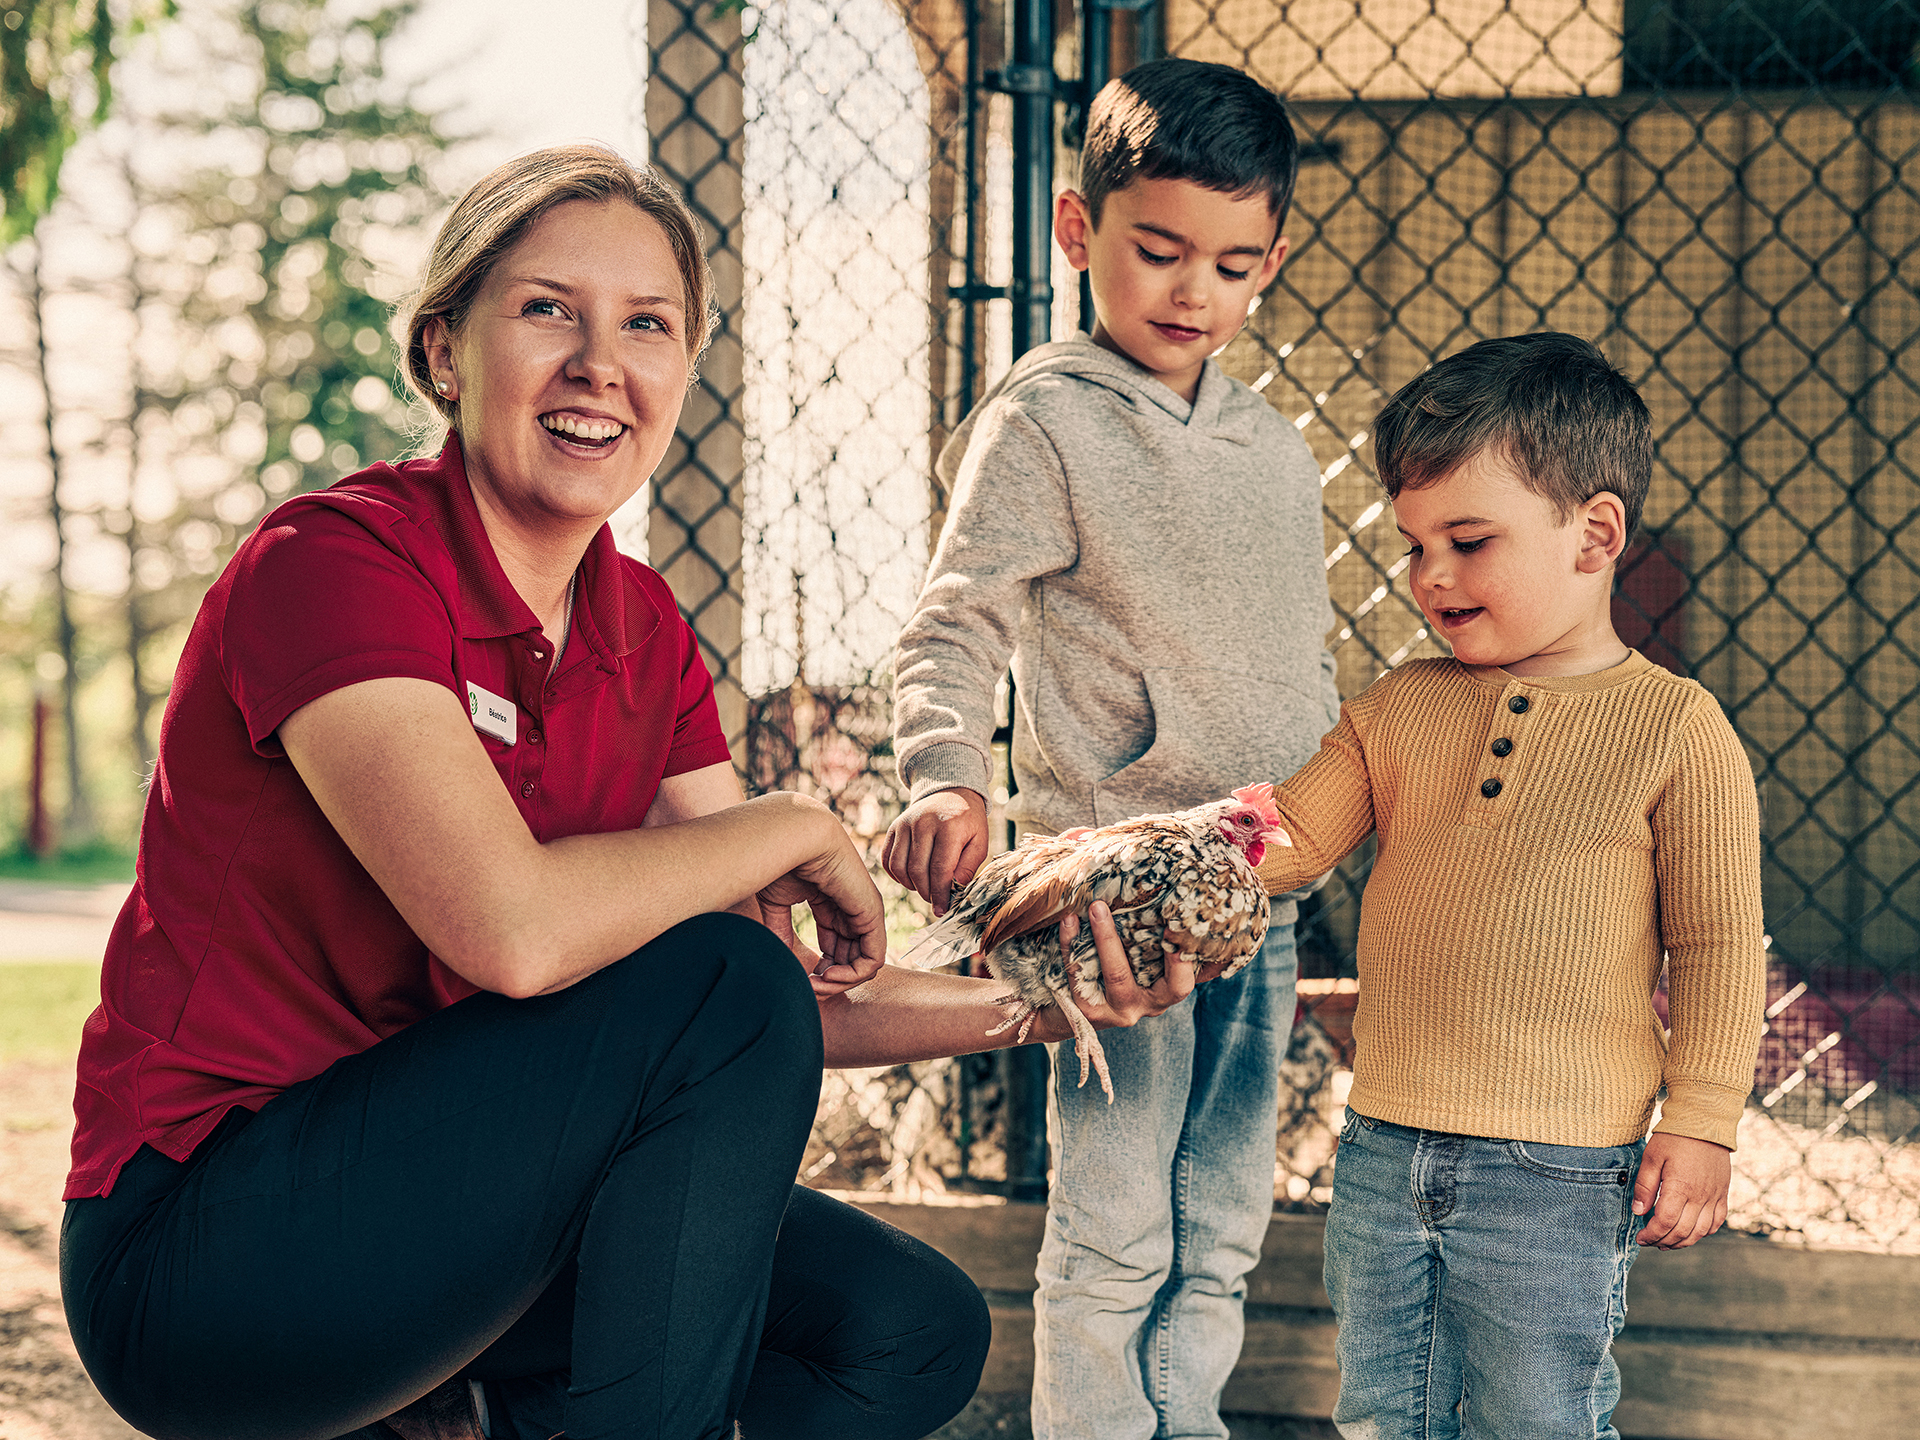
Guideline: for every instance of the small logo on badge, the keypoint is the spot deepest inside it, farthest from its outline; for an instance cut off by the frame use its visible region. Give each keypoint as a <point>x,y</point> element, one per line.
<point>492,714</point>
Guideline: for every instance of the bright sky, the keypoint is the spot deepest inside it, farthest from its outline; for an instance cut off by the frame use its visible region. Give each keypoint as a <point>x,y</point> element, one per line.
<point>531,75</point>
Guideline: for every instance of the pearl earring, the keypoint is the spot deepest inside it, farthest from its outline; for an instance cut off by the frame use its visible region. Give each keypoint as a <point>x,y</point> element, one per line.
<point>441,386</point>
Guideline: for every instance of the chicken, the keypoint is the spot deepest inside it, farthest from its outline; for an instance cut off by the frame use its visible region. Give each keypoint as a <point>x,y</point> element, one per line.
<point>1179,884</point>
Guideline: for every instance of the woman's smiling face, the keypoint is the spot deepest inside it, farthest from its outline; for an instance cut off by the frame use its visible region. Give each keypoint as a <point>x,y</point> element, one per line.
<point>571,365</point>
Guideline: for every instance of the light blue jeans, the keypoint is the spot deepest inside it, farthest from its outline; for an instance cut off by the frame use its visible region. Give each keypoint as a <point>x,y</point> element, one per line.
<point>1478,1283</point>
<point>1158,1208</point>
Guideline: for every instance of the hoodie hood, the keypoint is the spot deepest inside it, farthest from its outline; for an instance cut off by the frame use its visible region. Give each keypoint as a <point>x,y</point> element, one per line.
<point>1219,409</point>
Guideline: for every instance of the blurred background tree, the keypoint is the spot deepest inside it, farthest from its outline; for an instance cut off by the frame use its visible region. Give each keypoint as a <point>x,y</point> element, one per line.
<point>265,186</point>
<point>263,279</point>
<point>56,68</point>
<point>56,64</point>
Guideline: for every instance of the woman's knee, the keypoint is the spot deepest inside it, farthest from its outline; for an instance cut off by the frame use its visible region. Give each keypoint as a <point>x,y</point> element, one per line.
<point>888,1372</point>
<point>885,1320</point>
<point>760,992</point>
<point>935,1317</point>
<point>951,1352</point>
<point>739,987</point>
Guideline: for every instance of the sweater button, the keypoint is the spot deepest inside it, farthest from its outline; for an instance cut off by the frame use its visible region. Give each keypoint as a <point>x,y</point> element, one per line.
<point>1518,704</point>
<point>1489,788</point>
<point>1502,747</point>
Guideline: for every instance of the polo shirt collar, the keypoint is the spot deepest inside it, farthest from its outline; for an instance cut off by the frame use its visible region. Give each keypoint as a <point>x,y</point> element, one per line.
<point>614,618</point>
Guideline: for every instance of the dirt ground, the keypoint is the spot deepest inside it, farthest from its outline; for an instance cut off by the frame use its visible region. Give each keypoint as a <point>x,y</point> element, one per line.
<point>44,1394</point>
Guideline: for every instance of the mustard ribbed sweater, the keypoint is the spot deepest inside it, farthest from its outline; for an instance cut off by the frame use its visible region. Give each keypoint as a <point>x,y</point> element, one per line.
<point>1512,929</point>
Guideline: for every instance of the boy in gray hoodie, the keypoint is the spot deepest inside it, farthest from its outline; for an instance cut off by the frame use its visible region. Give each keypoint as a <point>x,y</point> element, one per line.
<point>1142,535</point>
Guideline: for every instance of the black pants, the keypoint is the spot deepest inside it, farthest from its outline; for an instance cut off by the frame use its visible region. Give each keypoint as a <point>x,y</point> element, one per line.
<point>590,1182</point>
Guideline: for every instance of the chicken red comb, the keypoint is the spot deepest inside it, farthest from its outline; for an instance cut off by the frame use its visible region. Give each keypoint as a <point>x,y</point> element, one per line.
<point>1261,798</point>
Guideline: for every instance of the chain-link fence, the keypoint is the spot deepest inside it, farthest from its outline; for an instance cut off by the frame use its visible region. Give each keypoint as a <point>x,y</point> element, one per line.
<point>1725,194</point>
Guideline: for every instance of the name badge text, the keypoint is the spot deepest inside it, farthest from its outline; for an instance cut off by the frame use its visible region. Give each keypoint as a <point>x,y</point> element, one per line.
<point>492,715</point>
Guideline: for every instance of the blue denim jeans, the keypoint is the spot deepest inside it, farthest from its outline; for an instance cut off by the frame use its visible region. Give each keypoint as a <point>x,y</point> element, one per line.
<point>1478,1283</point>
<point>1159,1205</point>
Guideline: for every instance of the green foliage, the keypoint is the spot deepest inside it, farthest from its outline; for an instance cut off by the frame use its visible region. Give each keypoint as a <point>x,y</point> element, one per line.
<point>342,163</point>
<point>86,865</point>
<point>279,185</point>
<point>56,59</point>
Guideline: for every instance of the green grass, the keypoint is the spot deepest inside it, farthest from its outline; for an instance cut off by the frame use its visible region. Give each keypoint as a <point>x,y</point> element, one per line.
<point>42,1008</point>
<point>72,867</point>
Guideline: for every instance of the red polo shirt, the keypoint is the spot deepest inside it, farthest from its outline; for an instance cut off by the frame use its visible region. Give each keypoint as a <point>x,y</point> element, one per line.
<point>254,950</point>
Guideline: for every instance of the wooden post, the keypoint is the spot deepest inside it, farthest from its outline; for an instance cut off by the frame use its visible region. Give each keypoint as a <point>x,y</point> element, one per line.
<point>696,127</point>
<point>39,824</point>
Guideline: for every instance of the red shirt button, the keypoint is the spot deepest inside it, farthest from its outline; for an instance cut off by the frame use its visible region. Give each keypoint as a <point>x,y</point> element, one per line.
<point>527,789</point>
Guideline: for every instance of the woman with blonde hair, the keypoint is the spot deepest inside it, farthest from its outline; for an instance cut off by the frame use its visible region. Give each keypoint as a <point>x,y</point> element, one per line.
<point>453,1064</point>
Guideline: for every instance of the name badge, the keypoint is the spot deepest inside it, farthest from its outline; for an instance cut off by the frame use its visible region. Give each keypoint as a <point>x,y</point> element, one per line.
<point>492,715</point>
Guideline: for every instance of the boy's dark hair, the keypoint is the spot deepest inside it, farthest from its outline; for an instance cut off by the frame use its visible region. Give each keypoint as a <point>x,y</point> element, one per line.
<point>1192,120</point>
<point>1551,404</point>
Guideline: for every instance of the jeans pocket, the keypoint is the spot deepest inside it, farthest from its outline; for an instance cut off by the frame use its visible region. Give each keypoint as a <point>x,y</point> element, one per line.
<point>1578,1164</point>
<point>1353,1125</point>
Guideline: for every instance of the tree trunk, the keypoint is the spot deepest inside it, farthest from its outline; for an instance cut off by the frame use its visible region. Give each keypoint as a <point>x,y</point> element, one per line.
<point>77,828</point>
<point>139,628</point>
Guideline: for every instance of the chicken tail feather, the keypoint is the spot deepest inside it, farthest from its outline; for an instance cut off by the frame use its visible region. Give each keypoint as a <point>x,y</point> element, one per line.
<point>945,942</point>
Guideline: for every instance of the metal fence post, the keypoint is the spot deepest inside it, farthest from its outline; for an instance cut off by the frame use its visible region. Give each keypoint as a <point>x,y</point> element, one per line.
<point>1031,81</point>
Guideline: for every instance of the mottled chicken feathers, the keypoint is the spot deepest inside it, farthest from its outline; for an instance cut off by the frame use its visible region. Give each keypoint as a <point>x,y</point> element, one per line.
<point>1178,884</point>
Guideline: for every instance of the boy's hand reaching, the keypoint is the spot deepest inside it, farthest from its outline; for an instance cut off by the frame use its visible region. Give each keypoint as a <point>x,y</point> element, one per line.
<point>937,844</point>
<point>1689,1178</point>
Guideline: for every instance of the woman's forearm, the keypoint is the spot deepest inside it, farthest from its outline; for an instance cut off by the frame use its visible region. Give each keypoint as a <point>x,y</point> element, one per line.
<point>396,769</point>
<point>902,1015</point>
<point>634,885</point>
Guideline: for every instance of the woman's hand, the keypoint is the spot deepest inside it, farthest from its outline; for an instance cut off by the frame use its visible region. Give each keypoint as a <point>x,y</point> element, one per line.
<point>847,914</point>
<point>1127,1001</point>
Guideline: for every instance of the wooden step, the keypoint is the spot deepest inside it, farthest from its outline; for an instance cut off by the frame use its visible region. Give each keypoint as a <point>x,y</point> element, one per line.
<point>1733,1339</point>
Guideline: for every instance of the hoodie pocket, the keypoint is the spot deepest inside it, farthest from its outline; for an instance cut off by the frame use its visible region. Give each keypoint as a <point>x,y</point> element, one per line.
<point>1213,731</point>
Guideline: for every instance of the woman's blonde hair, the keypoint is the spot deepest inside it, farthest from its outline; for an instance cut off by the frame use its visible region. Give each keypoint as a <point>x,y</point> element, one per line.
<point>492,216</point>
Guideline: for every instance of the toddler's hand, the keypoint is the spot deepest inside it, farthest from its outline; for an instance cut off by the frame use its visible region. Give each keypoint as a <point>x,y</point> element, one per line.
<point>937,844</point>
<point>1689,1178</point>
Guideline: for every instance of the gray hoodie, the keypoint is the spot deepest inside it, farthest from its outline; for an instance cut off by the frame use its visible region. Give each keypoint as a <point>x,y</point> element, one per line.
<point>1157,572</point>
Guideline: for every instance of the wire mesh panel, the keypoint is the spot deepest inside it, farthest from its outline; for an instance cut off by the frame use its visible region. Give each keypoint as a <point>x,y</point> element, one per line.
<point>1724,194</point>
<point>825,149</point>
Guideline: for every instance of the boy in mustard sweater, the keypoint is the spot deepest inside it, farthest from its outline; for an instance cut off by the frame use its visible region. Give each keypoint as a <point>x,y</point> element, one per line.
<point>1555,814</point>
